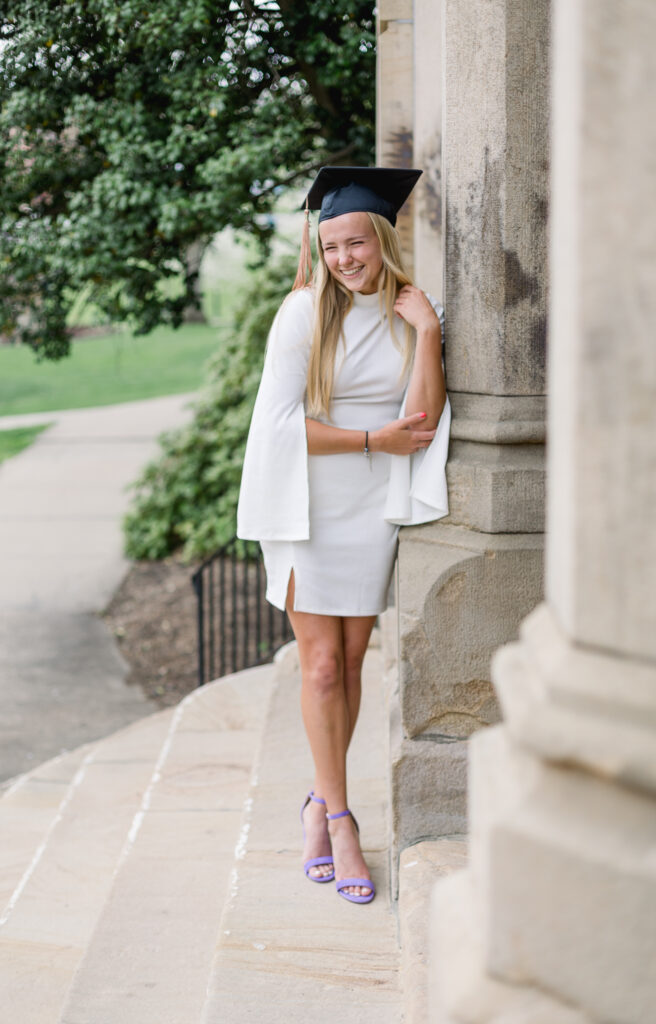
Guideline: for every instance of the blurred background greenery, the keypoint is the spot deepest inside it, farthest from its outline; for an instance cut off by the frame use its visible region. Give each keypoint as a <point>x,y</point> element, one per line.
<point>154,161</point>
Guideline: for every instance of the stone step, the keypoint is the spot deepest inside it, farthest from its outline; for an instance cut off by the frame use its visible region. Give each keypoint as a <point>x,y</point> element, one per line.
<point>421,866</point>
<point>69,862</point>
<point>30,807</point>
<point>290,950</point>
<point>150,955</point>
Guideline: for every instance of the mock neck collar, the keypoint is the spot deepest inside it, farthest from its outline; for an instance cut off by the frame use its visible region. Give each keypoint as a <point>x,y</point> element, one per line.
<point>365,301</point>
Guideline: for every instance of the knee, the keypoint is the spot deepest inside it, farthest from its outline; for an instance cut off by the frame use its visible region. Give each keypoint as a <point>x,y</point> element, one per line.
<point>352,665</point>
<point>325,676</point>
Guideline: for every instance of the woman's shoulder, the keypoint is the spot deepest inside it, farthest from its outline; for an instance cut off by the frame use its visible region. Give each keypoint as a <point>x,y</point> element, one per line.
<point>292,326</point>
<point>299,303</point>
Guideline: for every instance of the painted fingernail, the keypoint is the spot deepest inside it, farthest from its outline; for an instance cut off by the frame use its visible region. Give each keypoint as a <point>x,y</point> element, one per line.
<point>423,415</point>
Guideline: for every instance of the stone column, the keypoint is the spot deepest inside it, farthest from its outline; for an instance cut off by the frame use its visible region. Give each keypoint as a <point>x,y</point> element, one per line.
<point>466,582</point>
<point>394,101</point>
<point>557,913</point>
<point>427,140</point>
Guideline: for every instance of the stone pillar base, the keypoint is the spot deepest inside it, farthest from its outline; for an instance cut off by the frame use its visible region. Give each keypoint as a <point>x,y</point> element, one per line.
<point>461,594</point>
<point>461,991</point>
<point>428,793</point>
<point>562,877</point>
<point>577,704</point>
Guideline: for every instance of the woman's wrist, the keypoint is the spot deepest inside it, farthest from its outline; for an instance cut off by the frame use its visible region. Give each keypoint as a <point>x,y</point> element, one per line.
<point>430,332</point>
<point>373,441</point>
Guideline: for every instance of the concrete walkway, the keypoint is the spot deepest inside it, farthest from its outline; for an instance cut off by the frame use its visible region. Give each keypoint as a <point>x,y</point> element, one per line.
<point>61,505</point>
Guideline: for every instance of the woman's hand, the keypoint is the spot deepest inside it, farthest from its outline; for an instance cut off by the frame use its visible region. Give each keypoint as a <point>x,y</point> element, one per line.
<point>413,306</point>
<point>401,437</point>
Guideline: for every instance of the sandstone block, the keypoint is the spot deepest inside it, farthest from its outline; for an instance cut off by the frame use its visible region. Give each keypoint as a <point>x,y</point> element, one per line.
<point>602,457</point>
<point>496,188</point>
<point>567,881</point>
<point>421,866</point>
<point>428,782</point>
<point>580,705</point>
<point>461,594</point>
<point>496,488</point>
<point>461,991</point>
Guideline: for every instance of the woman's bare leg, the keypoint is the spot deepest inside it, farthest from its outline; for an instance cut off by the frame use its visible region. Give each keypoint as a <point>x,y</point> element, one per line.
<point>349,862</point>
<point>356,632</point>
<point>331,650</point>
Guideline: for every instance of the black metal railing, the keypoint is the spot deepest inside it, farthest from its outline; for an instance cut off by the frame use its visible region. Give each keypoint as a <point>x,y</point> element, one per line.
<point>237,627</point>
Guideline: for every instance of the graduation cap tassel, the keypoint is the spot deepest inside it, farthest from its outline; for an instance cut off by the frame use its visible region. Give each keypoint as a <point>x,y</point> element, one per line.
<point>304,272</point>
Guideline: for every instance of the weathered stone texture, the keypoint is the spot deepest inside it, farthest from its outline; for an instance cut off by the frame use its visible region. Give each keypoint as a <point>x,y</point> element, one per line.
<point>496,186</point>
<point>496,488</point>
<point>569,890</point>
<point>429,260</point>
<point>428,793</point>
<point>462,992</point>
<point>603,369</point>
<point>498,419</point>
<point>561,889</point>
<point>578,704</point>
<point>420,867</point>
<point>395,103</point>
<point>461,594</point>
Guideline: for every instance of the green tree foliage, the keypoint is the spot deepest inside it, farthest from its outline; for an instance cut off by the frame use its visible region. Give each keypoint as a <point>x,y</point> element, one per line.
<point>188,496</point>
<point>130,132</point>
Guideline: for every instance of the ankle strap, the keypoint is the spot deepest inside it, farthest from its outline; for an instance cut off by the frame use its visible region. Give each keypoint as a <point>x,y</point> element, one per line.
<point>342,814</point>
<point>316,799</point>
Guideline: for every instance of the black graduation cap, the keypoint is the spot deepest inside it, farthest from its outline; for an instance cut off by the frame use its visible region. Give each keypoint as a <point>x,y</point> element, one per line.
<point>383,190</point>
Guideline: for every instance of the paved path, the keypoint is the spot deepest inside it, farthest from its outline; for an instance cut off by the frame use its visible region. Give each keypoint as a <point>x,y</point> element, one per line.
<point>61,505</point>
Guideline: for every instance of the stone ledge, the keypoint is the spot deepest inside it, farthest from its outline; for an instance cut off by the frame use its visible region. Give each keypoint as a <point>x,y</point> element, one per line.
<point>579,705</point>
<point>498,419</point>
<point>420,867</point>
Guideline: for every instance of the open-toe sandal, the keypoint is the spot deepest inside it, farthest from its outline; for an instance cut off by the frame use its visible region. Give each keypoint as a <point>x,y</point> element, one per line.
<point>345,883</point>
<point>315,862</point>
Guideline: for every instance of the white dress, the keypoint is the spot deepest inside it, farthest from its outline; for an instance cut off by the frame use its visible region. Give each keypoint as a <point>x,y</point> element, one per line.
<point>334,519</point>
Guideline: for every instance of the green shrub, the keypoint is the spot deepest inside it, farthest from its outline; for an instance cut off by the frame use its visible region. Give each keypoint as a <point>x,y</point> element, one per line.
<point>187,497</point>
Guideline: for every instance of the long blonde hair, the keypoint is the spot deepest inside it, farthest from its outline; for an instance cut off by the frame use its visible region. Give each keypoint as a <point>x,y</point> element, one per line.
<point>333,301</point>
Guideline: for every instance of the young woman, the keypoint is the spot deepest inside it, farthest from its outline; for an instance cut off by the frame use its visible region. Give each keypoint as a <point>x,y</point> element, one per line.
<point>348,440</point>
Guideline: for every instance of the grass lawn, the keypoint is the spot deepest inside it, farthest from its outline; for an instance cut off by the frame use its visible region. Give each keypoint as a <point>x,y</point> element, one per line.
<point>107,370</point>
<point>13,441</point>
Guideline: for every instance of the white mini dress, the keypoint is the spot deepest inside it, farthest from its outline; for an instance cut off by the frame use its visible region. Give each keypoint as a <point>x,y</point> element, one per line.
<point>334,519</point>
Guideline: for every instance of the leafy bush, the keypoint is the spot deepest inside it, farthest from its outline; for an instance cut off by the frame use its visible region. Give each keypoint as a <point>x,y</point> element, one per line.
<point>187,497</point>
<point>132,132</point>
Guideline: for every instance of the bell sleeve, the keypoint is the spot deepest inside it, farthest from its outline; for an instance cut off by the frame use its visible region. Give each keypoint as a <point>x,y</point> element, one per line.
<point>274,494</point>
<point>417,491</point>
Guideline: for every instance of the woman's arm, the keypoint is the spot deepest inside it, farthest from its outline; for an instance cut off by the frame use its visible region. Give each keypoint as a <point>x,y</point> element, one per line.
<point>400,437</point>
<point>426,390</point>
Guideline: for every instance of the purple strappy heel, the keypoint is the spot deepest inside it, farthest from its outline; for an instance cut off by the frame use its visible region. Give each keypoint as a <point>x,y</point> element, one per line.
<point>344,883</point>
<point>314,862</point>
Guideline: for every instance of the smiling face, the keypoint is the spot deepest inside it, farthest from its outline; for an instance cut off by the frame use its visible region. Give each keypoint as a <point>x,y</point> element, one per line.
<point>352,251</point>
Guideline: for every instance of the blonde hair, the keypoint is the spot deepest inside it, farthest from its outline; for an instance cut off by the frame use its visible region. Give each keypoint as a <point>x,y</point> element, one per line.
<point>333,301</point>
